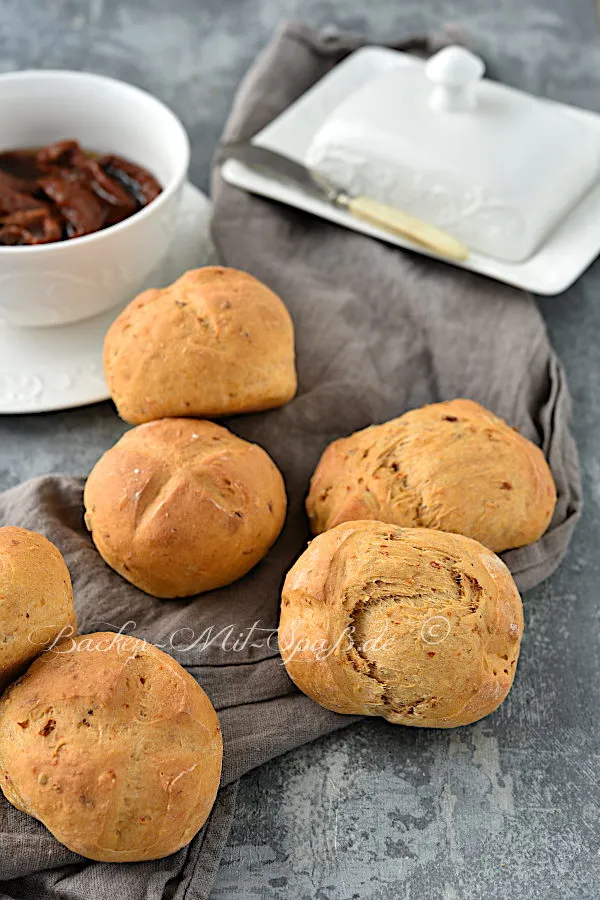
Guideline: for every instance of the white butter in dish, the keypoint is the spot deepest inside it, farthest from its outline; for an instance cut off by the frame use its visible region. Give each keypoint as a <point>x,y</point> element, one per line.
<point>497,168</point>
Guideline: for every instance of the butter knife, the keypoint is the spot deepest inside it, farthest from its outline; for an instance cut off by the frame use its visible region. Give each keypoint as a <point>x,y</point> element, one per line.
<point>284,169</point>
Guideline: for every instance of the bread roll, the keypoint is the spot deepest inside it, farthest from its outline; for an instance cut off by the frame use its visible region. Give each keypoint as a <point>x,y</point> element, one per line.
<point>36,599</point>
<point>214,343</point>
<point>182,506</point>
<point>418,626</point>
<point>452,466</point>
<point>113,746</point>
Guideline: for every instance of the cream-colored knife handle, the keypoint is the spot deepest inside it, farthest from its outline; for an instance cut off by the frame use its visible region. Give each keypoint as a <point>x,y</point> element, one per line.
<point>391,219</point>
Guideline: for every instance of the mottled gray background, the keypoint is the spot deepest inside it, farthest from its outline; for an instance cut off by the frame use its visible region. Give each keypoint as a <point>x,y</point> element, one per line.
<point>507,807</point>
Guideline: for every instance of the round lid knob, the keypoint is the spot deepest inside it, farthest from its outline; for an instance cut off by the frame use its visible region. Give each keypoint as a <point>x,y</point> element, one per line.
<point>454,73</point>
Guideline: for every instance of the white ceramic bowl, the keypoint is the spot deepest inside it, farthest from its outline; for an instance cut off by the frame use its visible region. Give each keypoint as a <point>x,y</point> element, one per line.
<point>52,284</point>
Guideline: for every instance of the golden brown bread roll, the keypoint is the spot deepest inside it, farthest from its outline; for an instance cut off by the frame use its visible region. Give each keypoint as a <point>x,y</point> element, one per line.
<point>113,746</point>
<point>36,599</point>
<point>415,625</point>
<point>181,506</point>
<point>454,466</point>
<point>214,343</point>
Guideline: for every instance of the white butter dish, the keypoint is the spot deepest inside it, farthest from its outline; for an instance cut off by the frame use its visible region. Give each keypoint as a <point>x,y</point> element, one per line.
<point>497,168</point>
<point>552,268</point>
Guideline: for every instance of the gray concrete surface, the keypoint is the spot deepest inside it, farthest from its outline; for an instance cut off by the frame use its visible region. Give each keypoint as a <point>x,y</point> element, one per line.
<point>510,806</point>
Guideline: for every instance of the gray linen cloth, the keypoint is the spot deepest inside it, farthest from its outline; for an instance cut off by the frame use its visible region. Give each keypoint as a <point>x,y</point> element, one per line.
<point>378,331</point>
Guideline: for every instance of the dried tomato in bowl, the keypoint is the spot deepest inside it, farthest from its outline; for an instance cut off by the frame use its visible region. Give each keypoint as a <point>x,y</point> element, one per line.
<point>62,191</point>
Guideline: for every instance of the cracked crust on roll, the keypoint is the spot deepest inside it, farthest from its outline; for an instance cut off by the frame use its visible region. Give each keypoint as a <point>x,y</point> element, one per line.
<point>113,746</point>
<point>415,625</point>
<point>451,466</point>
<point>182,506</point>
<point>214,343</point>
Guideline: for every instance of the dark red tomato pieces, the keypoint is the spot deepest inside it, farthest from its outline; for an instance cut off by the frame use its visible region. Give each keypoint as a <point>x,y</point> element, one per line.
<point>61,192</point>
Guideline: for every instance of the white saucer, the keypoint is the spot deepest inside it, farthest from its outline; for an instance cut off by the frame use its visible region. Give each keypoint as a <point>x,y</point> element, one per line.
<point>553,268</point>
<point>43,369</point>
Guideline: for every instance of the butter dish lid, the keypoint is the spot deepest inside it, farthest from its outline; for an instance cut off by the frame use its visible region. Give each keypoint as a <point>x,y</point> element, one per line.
<point>496,167</point>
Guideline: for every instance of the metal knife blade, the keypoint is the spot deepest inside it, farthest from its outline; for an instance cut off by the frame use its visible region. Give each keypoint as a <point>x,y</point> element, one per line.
<point>283,168</point>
